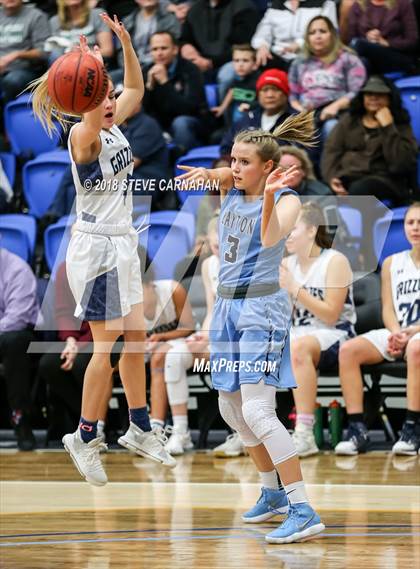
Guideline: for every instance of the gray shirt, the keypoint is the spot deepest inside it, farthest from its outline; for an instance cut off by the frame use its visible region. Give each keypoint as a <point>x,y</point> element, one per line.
<point>28,29</point>
<point>93,26</point>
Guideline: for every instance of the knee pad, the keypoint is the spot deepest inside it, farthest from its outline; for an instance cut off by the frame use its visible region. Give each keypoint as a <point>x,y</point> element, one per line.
<point>260,417</point>
<point>231,413</point>
<point>177,361</point>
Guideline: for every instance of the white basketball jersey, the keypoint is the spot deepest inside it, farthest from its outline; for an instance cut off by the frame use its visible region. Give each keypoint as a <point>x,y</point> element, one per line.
<point>405,285</point>
<point>314,281</point>
<point>213,267</point>
<point>165,307</point>
<point>103,196</point>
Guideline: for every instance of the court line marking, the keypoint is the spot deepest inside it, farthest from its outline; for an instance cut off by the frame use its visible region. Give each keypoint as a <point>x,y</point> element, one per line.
<point>179,530</point>
<point>195,537</point>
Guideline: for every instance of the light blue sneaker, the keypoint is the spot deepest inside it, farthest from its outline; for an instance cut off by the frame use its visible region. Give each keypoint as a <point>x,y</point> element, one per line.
<point>302,522</point>
<point>271,503</point>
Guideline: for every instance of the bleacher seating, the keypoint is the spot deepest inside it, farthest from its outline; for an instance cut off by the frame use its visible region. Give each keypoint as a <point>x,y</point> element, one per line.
<point>41,178</point>
<point>409,88</point>
<point>26,134</point>
<point>56,239</point>
<point>16,241</point>
<point>8,161</point>
<point>388,234</point>
<point>23,223</point>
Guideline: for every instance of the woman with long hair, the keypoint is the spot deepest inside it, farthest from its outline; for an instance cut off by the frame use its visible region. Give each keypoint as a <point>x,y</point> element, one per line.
<point>249,333</point>
<point>326,77</point>
<point>103,266</point>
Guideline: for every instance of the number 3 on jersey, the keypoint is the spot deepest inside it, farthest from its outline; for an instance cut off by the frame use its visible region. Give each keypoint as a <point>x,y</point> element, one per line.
<point>232,255</point>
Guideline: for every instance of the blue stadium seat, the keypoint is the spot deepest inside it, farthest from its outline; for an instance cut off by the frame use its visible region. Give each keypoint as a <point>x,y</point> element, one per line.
<point>15,240</point>
<point>41,178</point>
<point>23,222</point>
<point>56,240</point>
<point>26,134</point>
<point>212,94</point>
<point>388,234</point>
<point>169,239</point>
<point>8,161</point>
<point>410,92</point>
<point>353,220</point>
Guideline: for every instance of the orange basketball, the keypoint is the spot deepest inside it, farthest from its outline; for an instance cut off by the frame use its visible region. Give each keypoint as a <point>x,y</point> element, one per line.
<point>77,82</point>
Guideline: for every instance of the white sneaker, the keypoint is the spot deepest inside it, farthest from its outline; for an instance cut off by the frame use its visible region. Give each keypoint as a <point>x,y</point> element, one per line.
<point>232,446</point>
<point>86,458</point>
<point>179,441</point>
<point>304,440</point>
<point>150,444</point>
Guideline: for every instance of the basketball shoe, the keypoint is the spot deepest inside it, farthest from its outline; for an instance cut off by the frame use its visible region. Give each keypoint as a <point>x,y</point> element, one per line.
<point>304,440</point>
<point>232,447</point>
<point>150,444</point>
<point>86,457</point>
<point>271,503</point>
<point>179,441</point>
<point>302,522</point>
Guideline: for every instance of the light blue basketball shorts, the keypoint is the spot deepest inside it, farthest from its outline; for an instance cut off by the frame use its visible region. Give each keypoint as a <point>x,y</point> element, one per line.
<point>249,341</point>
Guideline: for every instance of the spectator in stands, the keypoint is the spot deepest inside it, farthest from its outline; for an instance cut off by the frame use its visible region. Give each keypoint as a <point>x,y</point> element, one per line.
<point>179,8</point>
<point>76,18</point>
<point>211,29</point>
<point>272,108</point>
<point>318,280</point>
<point>63,372</point>
<point>384,33</point>
<point>18,315</point>
<point>24,30</point>
<point>175,93</point>
<point>242,92</point>
<point>148,18</point>
<point>306,183</point>
<point>399,339</point>
<point>372,150</point>
<point>326,77</point>
<point>280,34</point>
<point>169,320</point>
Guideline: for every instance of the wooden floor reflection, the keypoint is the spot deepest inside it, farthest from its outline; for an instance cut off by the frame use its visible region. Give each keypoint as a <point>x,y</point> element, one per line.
<point>190,517</point>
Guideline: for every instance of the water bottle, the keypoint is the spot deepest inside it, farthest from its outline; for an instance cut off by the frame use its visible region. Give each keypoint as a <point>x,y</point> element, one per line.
<point>335,424</point>
<point>318,426</point>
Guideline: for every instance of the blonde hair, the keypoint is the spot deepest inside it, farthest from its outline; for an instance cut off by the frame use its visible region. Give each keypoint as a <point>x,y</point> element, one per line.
<point>336,47</point>
<point>47,110</point>
<point>388,3</point>
<point>64,15</point>
<point>298,128</point>
<point>303,158</point>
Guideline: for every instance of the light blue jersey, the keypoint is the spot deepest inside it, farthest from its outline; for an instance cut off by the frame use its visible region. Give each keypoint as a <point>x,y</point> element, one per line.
<point>249,337</point>
<point>243,259</point>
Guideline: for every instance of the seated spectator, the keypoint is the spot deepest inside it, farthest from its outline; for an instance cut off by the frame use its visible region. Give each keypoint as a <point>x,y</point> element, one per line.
<point>326,77</point>
<point>306,184</point>
<point>272,108</point>
<point>76,18</point>
<point>211,29</point>
<point>148,18</point>
<point>63,372</point>
<point>24,30</point>
<point>372,150</point>
<point>242,92</point>
<point>279,35</point>
<point>169,320</point>
<point>18,315</point>
<point>175,93</point>
<point>385,34</point>
<point>317,279</point>
<point>399,339</point>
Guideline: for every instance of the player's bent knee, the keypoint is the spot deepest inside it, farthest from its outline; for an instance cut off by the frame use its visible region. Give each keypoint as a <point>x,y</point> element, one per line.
<point>260,418</point>
<point>348,351</point>
<point>232,415</point>
<point>413,353</point>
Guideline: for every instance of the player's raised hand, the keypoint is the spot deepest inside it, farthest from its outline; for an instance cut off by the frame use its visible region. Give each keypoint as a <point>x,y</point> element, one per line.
<point>84,48</point>
<point>117,27</point>
<point>193,176</point>
<point>281,178</point>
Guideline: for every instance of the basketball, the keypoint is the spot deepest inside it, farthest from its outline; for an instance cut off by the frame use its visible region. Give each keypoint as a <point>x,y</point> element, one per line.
<point>77,82</point>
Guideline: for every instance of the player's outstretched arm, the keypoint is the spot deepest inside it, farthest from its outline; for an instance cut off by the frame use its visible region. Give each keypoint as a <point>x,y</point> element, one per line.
<point>279,219</point>
<point>133,77</point>
<point>223,177</point>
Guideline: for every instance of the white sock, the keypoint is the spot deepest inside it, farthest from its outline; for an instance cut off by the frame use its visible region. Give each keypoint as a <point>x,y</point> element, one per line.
<point>100,428</point>
<point>156,423</point>
<point>296,492</point>
<point>180,423</point>
<point>269,480</point>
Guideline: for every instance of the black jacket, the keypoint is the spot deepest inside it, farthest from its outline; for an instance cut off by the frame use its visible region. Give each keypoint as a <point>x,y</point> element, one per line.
<point>183,94</point>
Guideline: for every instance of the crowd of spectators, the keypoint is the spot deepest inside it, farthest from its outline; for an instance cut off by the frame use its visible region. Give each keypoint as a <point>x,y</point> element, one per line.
<point>333,58</point>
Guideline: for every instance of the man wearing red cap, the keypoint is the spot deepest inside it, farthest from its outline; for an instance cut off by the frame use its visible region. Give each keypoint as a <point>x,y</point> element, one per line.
<point>272,108</point>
